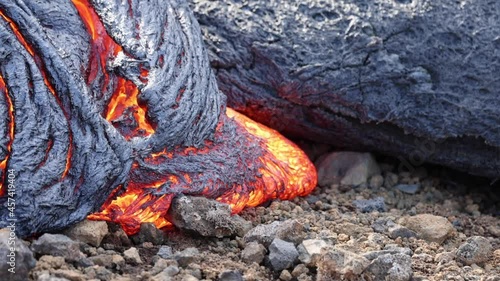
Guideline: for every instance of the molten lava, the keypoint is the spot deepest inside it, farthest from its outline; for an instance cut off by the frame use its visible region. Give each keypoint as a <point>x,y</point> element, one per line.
<point>282,170</point>
<point>3,163</point>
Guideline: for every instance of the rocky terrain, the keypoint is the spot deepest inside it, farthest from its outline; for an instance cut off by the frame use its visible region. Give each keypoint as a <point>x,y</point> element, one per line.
<point>368,220</point>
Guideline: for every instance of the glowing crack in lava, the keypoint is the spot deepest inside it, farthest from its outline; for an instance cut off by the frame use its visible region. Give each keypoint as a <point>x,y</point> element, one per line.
<point>245,163</point>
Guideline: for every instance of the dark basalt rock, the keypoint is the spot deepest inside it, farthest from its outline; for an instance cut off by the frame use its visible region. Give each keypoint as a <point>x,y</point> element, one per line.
<point>415,79</point>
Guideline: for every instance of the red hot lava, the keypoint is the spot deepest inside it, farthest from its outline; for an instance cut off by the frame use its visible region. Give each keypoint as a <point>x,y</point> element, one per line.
<point>281,170</point>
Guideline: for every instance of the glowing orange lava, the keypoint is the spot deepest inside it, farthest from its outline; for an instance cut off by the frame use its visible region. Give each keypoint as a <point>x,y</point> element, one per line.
<point>125,92</point>
<point>40,66</point>
<point>285,171</point>
<point>3,163</point>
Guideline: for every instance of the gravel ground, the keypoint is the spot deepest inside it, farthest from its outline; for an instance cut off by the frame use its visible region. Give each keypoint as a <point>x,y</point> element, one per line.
<point>430,224</point>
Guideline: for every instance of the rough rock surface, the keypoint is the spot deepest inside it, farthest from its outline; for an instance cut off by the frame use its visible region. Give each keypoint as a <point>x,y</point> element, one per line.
<point>17,258</point>
<point>206,217</point>
<point>476,249</point>
<point>412,78</point>
<point>90,232</point>
<point>429,227</point>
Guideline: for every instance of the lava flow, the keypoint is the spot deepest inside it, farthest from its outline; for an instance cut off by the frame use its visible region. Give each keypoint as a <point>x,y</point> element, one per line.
<point>246,164</point>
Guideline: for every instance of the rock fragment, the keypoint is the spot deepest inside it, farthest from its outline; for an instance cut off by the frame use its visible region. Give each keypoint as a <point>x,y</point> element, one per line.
<point>187,256</point>
<point>289,230</point>
<point>165,252</point>
<point>148,232</point>
<point>429,227</point>
<point>132,256</point>
<point>310,250</point>
<point>408,188</point>
<point>230,275</point>
<point>476,249</point>
<point>282,254</point>
<point>253,252</point>
<point>57,245</point>
<point>393,267</point>
<point>17,258</point>
<point>370,205</point>
<point>336,263</point>
<point>88,231</point>
<point>206,217</point>
<point>346,168</point>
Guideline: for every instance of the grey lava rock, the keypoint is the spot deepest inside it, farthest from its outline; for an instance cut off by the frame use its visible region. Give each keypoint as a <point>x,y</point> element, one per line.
<point>206,217</point>
<point>476,249</point>
<point>289,230</point>
<point>429,227</point>
<point>230,275</point>
<point>187,256</point>
<point>408,188</point>
<point>338,262</point>
<point>88,231</point>
<point>393,267</point>
<point>282,254</point>
<point>253,252</point>
<point>132,256</point>
<point>17,258</point>
<point>165,252</point>
<point>57,245</point>
<point>148,233</point>
<point>370,205</point>
<point>400,231</point>
<point>346,168</point>
<point>310,250</point>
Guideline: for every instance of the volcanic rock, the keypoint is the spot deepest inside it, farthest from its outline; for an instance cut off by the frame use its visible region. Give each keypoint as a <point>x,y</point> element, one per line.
<point>88,231</point>
<point>389,80</point>
<point>400,231</point>
<point>408,188</point>
<point>310,250</point>
<point>476,249</point>
<point>337,262</point>
<point>282,254</point>
<point>253,252</point>
<point>346,168</point>
<point>167,273</point>
<point>148,233</point>
<point>47,277</point>
<point>289,230</point>
<point>206,217</point>
<point>57,245</point>
<point>429,227</point>
<point>396,267</point>
<point>165,252</point>
<point>69,275</point>
<point>132,256</point>
<point>230,275</point>
<point>370,205</point>
<point>22,257</point>
<point>187,256</point>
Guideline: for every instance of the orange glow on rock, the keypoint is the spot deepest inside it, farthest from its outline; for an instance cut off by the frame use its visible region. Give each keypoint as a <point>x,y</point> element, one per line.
<point>125,92</point>
<point>41,67</point>
<point>3,163</point>
<point>285,171</point>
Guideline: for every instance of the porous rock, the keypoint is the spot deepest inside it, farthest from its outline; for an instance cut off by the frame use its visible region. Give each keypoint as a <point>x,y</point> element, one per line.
<point>206,217</point>
<point>336,262</point>
<point>476,249</point>
<point>392,267</point>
